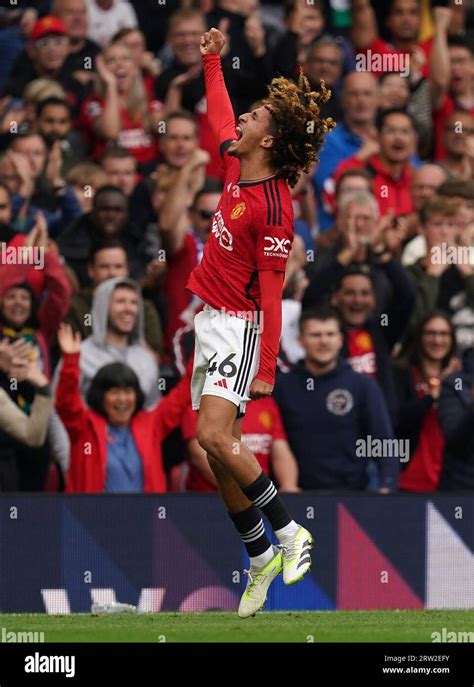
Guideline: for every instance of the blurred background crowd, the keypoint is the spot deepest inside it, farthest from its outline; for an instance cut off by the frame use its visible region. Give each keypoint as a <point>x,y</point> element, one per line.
<point>109,178</point>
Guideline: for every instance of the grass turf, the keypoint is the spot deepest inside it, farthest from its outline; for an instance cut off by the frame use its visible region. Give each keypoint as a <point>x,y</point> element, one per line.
<point>324,626</point>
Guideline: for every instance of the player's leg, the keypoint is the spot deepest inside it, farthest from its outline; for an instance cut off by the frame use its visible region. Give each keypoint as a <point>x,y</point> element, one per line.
<point>245,516</point>
<point>215,435</point>
<point>265,559</point>
<point>232,345</point>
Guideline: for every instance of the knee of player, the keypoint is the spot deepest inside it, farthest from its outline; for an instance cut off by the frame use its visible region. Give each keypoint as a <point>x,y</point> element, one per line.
<point>209,438</point>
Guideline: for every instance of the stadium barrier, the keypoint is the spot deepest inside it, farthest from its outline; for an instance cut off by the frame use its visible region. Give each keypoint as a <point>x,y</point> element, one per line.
<point>60,554</point>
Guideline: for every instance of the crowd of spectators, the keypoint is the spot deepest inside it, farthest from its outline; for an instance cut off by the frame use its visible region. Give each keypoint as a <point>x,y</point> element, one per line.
<point>109,180</point>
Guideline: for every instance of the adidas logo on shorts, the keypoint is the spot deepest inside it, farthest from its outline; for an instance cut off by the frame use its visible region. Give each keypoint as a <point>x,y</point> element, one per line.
<point>221,383</point>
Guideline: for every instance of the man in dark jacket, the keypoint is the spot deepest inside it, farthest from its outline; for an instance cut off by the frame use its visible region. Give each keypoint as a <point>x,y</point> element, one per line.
<point>456,417</point>
<point>369,338</point>
<point>109,218</point>
<point>364,240</point>
<point>336,419</point>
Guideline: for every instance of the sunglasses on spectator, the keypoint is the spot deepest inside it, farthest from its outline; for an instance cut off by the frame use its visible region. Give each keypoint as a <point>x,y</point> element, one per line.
<point>57,41</point>
<point>205,214</point>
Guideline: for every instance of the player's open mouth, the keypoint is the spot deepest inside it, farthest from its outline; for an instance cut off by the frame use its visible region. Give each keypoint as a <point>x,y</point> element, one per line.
<point>239,132</point>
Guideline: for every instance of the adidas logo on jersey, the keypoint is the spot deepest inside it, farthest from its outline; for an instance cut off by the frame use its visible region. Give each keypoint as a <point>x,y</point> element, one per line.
<point>221,383</point>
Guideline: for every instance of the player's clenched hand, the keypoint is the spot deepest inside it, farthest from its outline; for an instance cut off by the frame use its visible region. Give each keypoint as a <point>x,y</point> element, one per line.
<point>212,42</point>
<point>260,389</point>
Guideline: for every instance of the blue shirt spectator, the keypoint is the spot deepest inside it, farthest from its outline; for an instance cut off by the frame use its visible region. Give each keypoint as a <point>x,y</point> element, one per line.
<point>332,415</point>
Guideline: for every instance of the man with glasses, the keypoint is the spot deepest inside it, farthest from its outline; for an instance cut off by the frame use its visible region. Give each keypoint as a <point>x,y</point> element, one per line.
<point>364,241</point>
<point>183,252</point>
<point>46,54</point>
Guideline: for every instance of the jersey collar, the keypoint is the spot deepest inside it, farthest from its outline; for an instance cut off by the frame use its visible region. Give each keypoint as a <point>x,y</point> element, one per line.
<point>254,182</point>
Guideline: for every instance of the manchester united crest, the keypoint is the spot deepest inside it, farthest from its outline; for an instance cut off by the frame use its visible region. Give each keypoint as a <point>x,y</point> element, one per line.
<point>238,211</point>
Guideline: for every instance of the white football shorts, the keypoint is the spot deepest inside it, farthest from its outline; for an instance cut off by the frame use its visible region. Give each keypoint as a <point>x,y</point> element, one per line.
<point>226,357</point>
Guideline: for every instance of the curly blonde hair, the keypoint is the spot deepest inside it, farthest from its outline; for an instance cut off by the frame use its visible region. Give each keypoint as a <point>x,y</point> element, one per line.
<point>297,125</point>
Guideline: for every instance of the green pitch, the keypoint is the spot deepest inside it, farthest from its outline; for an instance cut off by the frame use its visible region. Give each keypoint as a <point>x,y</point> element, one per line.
<point>300,626</point>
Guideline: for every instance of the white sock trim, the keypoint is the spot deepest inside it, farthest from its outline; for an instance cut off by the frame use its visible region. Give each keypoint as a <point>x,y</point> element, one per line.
<point>288,532</point>
<point>259,562</point>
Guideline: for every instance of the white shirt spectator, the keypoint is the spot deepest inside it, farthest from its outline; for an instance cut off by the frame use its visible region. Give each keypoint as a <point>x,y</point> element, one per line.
<point>291,313</point>
<point>414,250</point>
<point>103,24</point>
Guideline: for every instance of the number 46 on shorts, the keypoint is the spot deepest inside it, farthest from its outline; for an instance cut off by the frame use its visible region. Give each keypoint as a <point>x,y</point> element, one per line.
<point>226,368</point>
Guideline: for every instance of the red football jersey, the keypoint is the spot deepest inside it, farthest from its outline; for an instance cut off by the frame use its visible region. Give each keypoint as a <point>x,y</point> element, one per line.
<point>252,230</point>
<point>361,352</point>
<point>132,135</point>
<point>381,47</point>
<point>243,264</point>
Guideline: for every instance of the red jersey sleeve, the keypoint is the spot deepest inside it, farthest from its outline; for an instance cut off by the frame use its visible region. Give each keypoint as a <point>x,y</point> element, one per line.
<point>271,287</point>
<point>273,224</point>
<point>220,113</point>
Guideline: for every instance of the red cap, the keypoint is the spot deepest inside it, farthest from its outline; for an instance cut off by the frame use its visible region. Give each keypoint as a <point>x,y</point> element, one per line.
<point>47,25</point>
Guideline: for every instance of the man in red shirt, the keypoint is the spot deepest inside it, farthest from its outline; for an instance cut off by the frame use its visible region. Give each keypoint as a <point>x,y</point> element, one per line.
<point>403,22</point>
<point>240,280</point>
<point>390,167</point>
<point>455,90</point>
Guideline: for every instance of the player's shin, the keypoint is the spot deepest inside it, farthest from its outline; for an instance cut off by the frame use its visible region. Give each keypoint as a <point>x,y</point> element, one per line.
<point>296,541</point>
<point>249,525</point>
<point>263,494</point>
